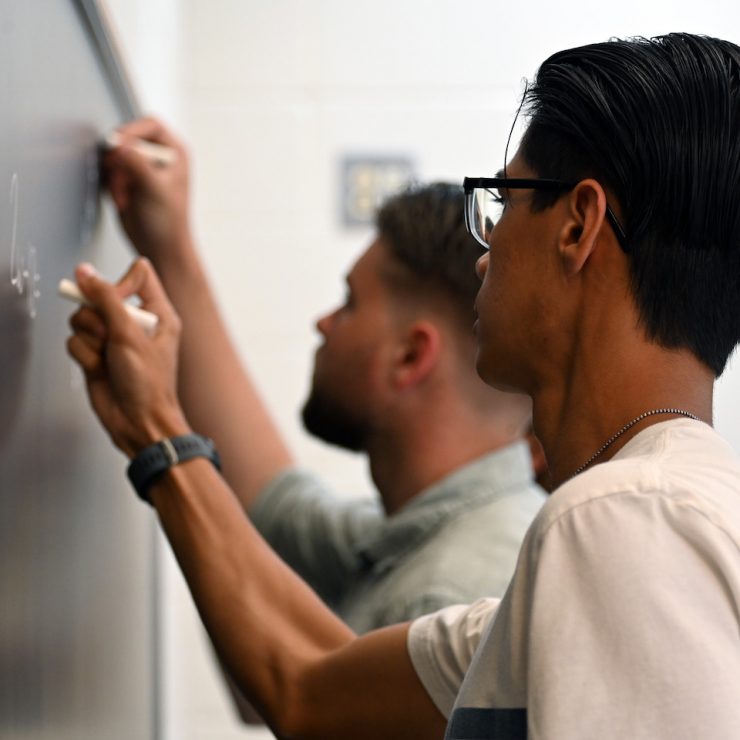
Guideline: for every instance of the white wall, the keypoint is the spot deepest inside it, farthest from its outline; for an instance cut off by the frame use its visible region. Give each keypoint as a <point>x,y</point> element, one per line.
<point>270,95</point>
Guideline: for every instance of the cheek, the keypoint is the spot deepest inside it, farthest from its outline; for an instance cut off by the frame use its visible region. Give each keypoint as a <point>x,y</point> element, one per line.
<point>493,287</point>
<point>501,304</point>
<point>346,355</point>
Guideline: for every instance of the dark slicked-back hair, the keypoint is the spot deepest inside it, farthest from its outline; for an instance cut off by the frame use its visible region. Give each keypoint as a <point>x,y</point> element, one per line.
<point>657,123</point>
<point>425,231</point>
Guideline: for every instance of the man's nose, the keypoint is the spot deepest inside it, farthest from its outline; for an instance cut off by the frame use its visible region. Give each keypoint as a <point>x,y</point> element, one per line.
<point>323,324</point>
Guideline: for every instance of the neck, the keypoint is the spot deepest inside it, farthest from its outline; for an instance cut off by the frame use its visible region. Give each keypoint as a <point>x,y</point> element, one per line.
<point>576,419</point>
<point>404,464</point>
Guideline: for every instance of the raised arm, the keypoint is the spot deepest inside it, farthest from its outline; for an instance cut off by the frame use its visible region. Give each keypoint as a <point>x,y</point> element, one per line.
<point>216,392</point>
<point>304,670</point>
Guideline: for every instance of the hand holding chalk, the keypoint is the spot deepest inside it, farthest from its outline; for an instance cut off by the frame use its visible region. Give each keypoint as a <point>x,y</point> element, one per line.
<point>156,153</point>
<point>145,319</point>
<point>131,379</point>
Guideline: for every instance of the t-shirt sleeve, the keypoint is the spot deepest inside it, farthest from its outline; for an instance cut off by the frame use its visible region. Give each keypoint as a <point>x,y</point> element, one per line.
<point>313,529</point>
<point>633,629</point>
<point>441,646</point>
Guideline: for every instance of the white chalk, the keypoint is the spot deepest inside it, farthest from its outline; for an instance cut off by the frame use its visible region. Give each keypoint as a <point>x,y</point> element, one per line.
<point>157,153</point>
<point>145,319</point>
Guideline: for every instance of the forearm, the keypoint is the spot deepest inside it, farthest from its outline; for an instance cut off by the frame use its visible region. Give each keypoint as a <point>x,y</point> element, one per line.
<point>215,391</point>
<point>300,666</point>
<point>272,632</point>
<point>217,394</point>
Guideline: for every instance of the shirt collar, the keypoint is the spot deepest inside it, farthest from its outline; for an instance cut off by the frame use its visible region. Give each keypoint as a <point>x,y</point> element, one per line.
<point>470,486</point>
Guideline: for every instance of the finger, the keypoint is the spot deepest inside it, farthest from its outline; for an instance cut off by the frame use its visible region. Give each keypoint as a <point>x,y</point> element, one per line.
<point>85,354</point>
<point>151,129</point>
<point>87,320</point>
<point>95,344</point>
<point>128,160</point>
<point>105,298</point>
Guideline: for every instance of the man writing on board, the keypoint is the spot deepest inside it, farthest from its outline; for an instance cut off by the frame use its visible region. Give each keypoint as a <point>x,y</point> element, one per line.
<point>622,616</point>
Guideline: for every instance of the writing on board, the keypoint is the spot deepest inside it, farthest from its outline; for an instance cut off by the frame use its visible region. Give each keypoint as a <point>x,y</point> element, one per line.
<point>24,274</point>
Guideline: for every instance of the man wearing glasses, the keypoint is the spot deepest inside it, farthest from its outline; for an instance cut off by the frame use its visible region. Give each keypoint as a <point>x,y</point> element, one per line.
<point>623,616</point>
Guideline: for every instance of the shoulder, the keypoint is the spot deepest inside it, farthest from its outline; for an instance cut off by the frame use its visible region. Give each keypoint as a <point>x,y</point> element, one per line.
<point>460,625</point>
<point>488,500</point>
<point>684,465</point>
<point>673,490</point>
<point>441,647</point>
<point>468,554</point>
<point>297,491</point>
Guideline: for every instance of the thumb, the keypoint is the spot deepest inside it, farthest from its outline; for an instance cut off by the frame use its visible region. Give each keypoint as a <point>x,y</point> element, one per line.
<point>142,280</point>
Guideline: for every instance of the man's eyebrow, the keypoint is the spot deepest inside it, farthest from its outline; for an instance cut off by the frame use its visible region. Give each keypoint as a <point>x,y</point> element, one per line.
<point>501,174</point>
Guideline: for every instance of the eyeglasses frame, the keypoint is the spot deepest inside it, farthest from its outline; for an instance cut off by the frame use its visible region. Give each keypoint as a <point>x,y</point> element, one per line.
<point>529,183</point>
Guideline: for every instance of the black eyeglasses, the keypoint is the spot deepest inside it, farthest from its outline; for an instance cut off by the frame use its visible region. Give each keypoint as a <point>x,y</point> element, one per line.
<point>484,204</point>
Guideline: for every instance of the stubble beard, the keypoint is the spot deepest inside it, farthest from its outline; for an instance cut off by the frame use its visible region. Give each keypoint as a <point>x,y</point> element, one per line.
<point>328,420</point>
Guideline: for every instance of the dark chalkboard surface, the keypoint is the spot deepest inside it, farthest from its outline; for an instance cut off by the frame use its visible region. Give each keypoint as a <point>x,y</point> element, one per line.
<point>77,581</point>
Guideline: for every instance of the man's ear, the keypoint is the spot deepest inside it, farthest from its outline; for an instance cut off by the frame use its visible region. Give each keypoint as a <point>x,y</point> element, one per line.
<point>418,354</point>
<point>585,224</point>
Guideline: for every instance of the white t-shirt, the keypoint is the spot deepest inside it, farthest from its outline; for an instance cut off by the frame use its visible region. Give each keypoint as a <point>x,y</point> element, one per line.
<point>622,619</point>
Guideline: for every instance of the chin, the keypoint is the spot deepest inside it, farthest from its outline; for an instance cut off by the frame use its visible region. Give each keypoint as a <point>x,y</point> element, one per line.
<point>326,419</point>
<point>494,375</point>
<point>482,367</point>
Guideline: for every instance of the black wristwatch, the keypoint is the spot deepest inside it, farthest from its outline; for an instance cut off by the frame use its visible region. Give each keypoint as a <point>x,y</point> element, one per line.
<point>158,458</point>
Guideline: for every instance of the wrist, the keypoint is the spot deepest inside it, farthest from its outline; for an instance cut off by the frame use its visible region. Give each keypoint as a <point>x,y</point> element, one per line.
<point>154,461</point>
<point>176,258</point>
<point>155,428</point>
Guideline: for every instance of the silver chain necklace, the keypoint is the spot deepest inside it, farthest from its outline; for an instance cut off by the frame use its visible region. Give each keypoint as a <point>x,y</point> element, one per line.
<point>629,425</point>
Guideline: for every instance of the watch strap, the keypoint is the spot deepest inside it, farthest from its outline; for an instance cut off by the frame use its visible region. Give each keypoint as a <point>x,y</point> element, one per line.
<point>153,461</point>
